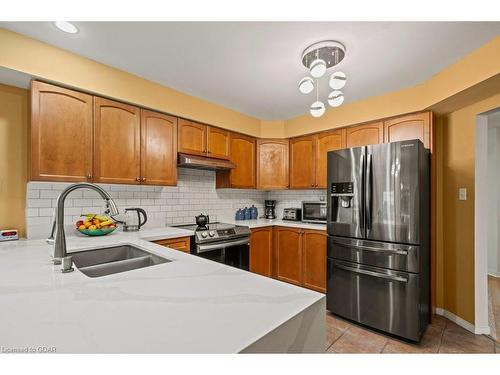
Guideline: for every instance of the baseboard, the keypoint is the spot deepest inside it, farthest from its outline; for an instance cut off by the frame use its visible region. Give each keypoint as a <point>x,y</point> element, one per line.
<point>463,323</point>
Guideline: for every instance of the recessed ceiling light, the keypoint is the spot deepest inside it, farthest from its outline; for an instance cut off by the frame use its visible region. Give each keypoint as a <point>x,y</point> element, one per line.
<point>67,27</point>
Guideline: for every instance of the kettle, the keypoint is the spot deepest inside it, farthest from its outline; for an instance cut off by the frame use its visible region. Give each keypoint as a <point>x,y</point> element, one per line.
<point>202,220</point>
<point>132,222</point>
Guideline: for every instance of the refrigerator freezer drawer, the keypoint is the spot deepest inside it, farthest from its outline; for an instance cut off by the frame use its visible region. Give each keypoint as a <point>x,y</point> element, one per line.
<point>382,299</point>
<point>377,254</point>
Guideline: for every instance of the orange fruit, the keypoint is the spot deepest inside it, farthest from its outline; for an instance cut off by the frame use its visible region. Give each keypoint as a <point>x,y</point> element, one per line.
<point>82,227</point>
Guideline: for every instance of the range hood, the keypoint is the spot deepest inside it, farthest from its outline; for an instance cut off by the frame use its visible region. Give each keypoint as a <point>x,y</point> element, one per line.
<point>203,162</point>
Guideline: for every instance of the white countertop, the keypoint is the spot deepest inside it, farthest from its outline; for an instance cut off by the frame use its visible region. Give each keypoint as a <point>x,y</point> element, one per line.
<point>259,223</point>
<point>189,305</point>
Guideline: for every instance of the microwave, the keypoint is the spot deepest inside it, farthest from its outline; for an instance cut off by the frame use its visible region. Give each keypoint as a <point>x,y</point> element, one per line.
<point>314,212</point>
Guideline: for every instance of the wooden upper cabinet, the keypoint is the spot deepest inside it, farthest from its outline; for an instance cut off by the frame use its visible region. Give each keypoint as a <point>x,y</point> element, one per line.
<point>288,254</point>
<point>302,162</point>
<point>117,147</point>
<point>314,260</point>
<point>243,156</point>
<point>367,134</point>
<point>272,164</point>
<point>327,141</point>
<point>192,137</point>
<point>413,126</point>
<point>217,143</point>
<point>61,134</point>
<point>158,148</point>
<point>261,247</point>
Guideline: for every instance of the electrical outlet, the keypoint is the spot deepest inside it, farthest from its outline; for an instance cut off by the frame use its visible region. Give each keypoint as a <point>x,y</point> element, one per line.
<point>462,194</point>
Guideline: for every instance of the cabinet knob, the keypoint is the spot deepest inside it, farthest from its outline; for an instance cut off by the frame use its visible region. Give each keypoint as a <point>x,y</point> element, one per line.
<point>143,179</point>
<point>89,176</point>
<point>138,179</point>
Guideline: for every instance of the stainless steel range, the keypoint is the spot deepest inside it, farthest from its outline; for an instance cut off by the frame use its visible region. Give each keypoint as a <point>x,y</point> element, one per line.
<point>220,242</point>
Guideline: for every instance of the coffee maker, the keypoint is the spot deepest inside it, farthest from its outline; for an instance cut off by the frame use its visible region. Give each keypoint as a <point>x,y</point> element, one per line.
<point>270,207</point>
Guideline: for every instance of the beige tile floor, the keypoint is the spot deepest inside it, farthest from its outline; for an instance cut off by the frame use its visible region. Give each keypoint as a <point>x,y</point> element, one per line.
<point>442,336</point>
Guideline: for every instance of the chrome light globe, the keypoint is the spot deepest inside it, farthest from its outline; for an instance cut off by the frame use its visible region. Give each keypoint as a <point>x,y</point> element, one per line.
<point>317,109</point>
<point>336,98</point>
<point>306,85</point>
<point>338,80</point>
<point>318,68</point>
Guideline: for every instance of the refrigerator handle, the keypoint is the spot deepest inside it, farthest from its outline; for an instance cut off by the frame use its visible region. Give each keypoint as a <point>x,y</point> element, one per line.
<point>361,209</point>
<point>368,199</point>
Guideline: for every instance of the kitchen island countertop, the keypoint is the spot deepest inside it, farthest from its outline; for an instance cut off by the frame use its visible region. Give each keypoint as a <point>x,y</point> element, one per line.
<point>188,305</point>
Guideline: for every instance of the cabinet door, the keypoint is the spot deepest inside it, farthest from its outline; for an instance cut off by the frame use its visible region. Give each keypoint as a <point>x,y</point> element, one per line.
<point>414,126</point>
<point>314,260</point>
<point>261,246</point>
<point>302,162</point>
<point>272,164</point>
<point>367,134</point>
<point>181,243</point>
<point>218,143</point>
<point>158,148</point>
<point>288,255</point>
<point>61,134</point>
<point>192,137</point>
<point>117,146</point>
<point>243,155</point>
<point>327,141</point>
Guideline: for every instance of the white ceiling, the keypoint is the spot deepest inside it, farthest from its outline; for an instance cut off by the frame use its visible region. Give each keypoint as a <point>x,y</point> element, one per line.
<point>254,67</point>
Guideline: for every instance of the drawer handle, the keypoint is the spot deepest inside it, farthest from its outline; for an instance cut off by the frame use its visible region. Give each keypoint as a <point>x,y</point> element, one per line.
<point>374,249</point>
<point>372,273</point>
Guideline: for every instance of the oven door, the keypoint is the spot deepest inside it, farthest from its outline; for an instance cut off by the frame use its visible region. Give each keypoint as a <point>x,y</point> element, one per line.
<point>380,298</point>
<point>233,252</point>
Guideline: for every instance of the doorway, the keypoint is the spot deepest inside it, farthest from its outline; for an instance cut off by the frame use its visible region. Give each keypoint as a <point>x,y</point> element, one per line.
<point>487,224</point>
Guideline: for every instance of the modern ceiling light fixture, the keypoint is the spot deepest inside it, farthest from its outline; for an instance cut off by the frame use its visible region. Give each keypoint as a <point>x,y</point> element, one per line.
<point>306,85</point>
<point>318,58</point>
<point>67,27</point>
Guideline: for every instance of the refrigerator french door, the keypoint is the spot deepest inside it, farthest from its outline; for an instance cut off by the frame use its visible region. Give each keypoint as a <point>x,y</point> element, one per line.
<point>378,227</point>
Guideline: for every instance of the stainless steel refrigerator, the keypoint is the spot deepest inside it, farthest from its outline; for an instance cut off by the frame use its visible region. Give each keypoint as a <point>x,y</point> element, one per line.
<point>378,236</point>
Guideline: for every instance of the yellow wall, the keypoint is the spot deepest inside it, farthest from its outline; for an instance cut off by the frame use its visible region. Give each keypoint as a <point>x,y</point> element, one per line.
<point>456,262</point>
<point>474,68</point>
<point>13,157</point>
<point>38,59</point>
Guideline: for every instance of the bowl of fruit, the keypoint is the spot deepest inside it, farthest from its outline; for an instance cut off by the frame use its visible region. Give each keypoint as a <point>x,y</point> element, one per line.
<point>95,225</point>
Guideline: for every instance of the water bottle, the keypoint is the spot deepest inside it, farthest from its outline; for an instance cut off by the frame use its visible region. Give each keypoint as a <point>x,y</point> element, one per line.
<point>238,214</point>
<point>241,215</point>
<point>248,213</point>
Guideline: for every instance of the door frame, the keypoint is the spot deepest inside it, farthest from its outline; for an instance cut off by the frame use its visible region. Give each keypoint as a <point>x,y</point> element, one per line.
<point>481,204</point>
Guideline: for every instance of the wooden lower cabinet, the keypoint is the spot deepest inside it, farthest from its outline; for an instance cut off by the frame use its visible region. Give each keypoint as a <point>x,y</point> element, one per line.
<point>288,254</point>
<point>181,243</point>
<point>314,260</point>
<point>261,251</point>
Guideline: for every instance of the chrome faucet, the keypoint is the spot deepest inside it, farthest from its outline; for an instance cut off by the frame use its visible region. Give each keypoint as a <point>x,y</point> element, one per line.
<point>57,236</point>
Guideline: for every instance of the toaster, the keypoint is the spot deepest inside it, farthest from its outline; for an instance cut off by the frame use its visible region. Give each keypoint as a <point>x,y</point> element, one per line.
<point>292,214</point>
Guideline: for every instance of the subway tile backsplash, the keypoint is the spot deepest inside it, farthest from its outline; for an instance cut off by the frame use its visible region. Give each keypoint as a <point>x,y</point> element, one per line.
<point>195,193</point>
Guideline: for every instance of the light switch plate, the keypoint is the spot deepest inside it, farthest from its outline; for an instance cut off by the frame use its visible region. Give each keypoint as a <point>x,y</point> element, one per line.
<point>462,194</point>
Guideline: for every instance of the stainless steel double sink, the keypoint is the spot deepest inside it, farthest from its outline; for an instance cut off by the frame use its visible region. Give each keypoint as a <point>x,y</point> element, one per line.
<point>114,259</point>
